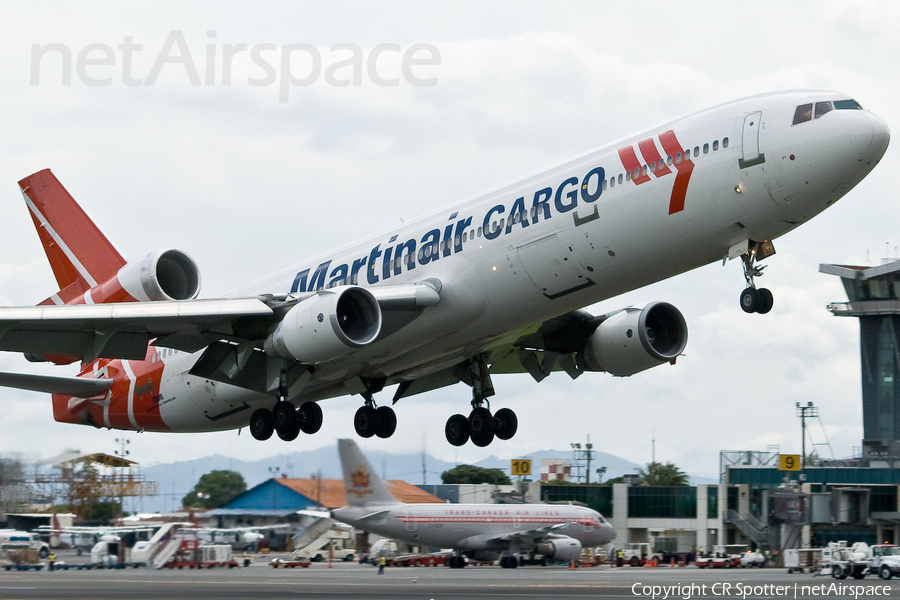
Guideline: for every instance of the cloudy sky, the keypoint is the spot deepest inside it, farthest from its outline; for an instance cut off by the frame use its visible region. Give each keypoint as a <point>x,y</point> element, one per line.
<point>256,175</point>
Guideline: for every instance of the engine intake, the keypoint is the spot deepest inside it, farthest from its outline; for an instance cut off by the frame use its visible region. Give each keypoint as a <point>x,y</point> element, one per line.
<point>564,549</point>
<point>327,325</point>
<point>635,339</point>
<point>160,275</point>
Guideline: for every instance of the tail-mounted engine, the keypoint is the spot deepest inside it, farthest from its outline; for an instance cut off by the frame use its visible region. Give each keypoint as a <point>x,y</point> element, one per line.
<point>635,339</point>
<point>327,325</point>
<point>160,275</point>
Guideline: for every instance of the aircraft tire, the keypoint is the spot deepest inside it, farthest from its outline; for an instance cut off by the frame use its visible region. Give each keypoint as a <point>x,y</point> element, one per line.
<point>505,424</point>
<point>765,301</point>
<point>365,421</point>
<point>750,300</point>
<point>261,427</point>
<point>386,421</point>
<point>310,416</point>
<point>481,427</point>
<point>287,425</point>
<point>457,430</point>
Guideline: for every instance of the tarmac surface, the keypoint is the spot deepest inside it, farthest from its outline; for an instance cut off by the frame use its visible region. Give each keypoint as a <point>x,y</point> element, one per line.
<point>354,581</point>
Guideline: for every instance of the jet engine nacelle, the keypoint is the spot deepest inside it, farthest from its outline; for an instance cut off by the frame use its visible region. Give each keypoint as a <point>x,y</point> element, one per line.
<point>327,325</point>
<point>564,549</point>
<point>635,339</point>
<point>160,275</point>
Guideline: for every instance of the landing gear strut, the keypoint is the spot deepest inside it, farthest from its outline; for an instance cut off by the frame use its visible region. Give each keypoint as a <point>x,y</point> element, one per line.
<point>481,426</point>
<point>371,420</point>
<point>753,299</point>
<point>285,420</point>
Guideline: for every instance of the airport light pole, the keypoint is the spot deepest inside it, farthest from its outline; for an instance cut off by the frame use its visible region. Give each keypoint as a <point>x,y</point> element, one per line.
<point>805,412</point>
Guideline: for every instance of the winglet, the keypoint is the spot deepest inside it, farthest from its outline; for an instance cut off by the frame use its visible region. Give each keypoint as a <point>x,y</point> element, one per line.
<point>76,248</point>
<point>363,485</point>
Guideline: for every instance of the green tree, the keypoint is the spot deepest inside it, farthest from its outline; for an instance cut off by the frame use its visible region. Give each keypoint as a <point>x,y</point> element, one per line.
<point>472,474</point>
<point>215,489</point>
<point>658,474</point>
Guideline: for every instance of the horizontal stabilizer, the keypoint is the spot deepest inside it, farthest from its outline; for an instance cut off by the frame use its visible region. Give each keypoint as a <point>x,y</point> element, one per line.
<point>79,387</point>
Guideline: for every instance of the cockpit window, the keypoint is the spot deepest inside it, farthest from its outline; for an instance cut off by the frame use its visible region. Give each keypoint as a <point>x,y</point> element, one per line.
<point>822,108</point>
<point>847,105</point>
<point>803,113</point>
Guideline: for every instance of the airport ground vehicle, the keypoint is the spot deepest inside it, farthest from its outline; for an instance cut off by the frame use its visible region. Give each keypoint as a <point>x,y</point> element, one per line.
<point>885,560</point>
<point>331,545</point>
<point>30,540</point>
<point>20,558</point>
<point>753,559</point>
<point>853,561</point>
<point>722,557</point>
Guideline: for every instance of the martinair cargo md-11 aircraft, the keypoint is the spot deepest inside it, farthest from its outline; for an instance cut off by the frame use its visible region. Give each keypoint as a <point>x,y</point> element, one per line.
<point>480,531</point>
<point>494,284</point>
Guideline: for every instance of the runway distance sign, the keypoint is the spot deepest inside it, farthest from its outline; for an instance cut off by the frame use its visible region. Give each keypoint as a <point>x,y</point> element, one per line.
<point>788,462</point>
<point>521,466</point>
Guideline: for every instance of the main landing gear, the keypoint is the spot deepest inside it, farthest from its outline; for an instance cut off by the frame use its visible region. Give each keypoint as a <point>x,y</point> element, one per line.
<point>371,419</point>
<point>480,426</point>
<point>285,420</point>
<point>753,299</point>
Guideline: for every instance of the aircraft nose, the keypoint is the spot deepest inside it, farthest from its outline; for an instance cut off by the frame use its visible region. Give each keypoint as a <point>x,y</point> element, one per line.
<point>869,134</point>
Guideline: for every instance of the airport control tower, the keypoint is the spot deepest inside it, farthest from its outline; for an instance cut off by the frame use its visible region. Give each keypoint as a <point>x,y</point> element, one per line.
<point>874,294</point>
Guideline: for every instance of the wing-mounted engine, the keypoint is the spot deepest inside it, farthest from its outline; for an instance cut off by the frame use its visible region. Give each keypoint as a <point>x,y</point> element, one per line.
<point>562,548</point>
<point>634,339</point>
<point>161,275</point>
<point>327,325</point>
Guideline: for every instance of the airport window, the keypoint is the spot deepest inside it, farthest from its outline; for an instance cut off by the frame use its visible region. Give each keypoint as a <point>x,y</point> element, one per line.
<point>696,151</point>
<point>662,502</point>
<point>847,105</point>
<point>724,143</point>
<point>802,114</point>
<point>620,179</point>
<point>705,148</point>
<point>715,145</point>
<point>822,108</point>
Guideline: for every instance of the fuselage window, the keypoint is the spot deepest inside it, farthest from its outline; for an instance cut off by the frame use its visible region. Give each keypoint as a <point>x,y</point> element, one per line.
<point>644,170</point>
<point>620,179</point>
<point>696,151</point>
<point>822,108</point>
<point>724,143</point>
<point>678,158</point>
<point>612,182</point>
<point>715,145</point>
<point>705,148</point>
<point>653,166</point>
<point>669,160</point>
<point>604,189</point>
<point>479,232</point>
<point>627,176</point>
<point>802,114</point>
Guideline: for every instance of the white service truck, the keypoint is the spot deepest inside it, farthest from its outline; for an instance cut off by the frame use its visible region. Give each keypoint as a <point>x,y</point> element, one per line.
<point>332,544</point>
<point>885,560</point>
<point>853,561</point>
<point>11,538</point>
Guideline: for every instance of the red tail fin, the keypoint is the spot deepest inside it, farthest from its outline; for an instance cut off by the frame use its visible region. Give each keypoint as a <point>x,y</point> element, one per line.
<point>79,253</point>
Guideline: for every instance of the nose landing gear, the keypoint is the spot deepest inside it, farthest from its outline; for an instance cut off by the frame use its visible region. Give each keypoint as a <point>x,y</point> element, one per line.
<point>753,299</point>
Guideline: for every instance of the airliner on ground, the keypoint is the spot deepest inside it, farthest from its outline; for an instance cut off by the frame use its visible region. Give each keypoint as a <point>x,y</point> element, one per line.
<point>480,531</point>
<point>493,284</point>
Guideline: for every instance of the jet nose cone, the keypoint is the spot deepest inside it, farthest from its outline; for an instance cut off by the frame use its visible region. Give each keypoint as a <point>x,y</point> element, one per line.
<point>869,134</point>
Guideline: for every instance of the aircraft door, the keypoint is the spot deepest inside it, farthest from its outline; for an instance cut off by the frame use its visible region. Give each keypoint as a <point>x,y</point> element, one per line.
<point>552,267</point>
<point>409,515</point>
<point>750,154</point>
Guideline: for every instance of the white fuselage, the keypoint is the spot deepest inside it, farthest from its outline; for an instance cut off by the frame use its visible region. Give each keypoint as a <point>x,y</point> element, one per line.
<point>477,527</point>
<point>580,232</point>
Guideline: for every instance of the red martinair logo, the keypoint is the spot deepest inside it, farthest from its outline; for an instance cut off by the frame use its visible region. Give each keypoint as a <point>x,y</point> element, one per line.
<point>681,160</point>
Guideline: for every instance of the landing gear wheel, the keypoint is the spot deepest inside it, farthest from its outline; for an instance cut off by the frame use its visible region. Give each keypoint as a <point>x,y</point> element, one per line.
<point>765,301</point>
<point>365,421</point>
<point>508,562</point>
<point>750,300</point>
<point>457,562</point>
<point>386,420</point>
<point>310,416</point>
<point>284,418</point>
<point>261,427</point>
<point>481,426</point>
<point>505,424</point>
<point>457,430</point>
